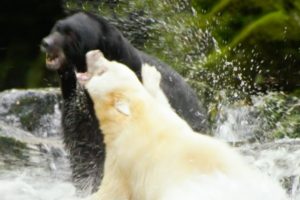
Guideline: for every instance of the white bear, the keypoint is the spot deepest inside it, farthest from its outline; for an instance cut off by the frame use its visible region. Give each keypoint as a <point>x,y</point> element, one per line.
<point>152,154</point>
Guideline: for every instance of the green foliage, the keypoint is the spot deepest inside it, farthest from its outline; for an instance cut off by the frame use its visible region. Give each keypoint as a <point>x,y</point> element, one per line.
<point>264,31</point>
<point>280,115</point>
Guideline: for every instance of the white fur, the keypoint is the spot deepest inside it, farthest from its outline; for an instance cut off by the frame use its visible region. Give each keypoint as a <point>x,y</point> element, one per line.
<point>152,154</point>
<point>151,81</point>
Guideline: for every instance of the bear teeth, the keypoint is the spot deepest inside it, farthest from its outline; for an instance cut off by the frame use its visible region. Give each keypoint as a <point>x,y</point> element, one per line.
<point>50,57</point>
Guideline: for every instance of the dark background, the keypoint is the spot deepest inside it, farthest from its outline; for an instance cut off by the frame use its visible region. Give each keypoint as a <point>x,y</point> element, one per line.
<point>23,24</point>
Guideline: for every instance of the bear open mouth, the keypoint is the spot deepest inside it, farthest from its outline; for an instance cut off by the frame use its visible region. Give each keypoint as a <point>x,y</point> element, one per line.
<point>83,77</point>
<point>55,60</point>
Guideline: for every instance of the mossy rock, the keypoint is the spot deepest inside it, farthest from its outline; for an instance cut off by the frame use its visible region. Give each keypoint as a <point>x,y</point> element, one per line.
<point>36,111</point>
<point>30,108</point>
<point>20,149</point>
<point>13,148</point>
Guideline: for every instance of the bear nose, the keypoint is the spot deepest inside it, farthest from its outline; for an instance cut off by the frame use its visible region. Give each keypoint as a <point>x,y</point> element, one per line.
<point>45,44</point>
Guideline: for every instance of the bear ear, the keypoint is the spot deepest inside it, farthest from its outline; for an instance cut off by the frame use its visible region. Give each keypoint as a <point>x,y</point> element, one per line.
<point>123,107</point>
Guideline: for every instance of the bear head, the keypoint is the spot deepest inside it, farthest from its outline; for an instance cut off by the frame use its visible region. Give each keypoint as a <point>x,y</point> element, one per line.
<point>113,87</point>
<point>72,37</point>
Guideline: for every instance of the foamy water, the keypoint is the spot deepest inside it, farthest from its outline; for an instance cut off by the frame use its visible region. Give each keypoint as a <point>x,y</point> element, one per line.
<point>48,177</point>
<point>251,186</point>
<point>38,184</point>
<point>34,185</point>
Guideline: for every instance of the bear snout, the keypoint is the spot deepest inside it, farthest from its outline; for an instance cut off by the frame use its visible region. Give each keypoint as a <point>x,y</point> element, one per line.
<point>95,61</point>
<point>94,55</point>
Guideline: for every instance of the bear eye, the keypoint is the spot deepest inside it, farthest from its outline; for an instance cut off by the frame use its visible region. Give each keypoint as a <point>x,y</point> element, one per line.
<point>101,71</point>
<point>69,32</point>
<point>58,27</point>
<point>66,30</point>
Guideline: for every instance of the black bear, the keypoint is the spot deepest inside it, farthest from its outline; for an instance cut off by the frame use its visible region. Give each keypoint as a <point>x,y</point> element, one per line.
<point>65,49</point>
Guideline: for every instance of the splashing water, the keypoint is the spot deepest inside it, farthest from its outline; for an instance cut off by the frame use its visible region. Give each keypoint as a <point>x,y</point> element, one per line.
<point>236,125</point>
<point>278,159</point>
<point>17,185</point>
<point>252,128</point>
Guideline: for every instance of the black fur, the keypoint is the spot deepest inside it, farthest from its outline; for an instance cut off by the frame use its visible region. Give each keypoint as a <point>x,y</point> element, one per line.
<point>82,32</point>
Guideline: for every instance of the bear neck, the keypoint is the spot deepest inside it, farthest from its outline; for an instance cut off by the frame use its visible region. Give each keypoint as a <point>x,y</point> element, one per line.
<point>148,121</point>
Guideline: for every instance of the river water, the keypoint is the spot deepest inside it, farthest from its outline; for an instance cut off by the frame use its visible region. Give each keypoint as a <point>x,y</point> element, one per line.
<point>278,159</point>
<point>31,184</point>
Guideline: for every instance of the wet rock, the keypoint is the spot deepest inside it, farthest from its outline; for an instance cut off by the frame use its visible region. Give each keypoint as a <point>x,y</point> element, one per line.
<point>30,132</point>
<point>21,149</point>
<point>35,111</point>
